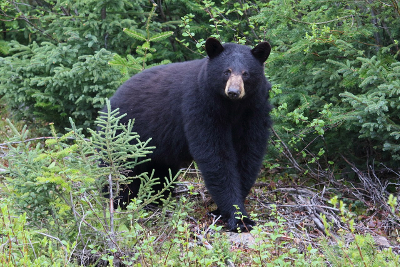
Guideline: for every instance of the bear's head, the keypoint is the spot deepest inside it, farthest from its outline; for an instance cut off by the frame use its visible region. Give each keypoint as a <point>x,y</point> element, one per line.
<point>237,69</point>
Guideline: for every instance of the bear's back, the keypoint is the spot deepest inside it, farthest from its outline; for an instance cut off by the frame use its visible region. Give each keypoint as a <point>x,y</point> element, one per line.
<point>154,98</point>
<point>160,84</point>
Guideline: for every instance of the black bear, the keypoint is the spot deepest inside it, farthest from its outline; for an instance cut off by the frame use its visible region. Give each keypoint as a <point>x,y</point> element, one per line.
<point>213,110</point>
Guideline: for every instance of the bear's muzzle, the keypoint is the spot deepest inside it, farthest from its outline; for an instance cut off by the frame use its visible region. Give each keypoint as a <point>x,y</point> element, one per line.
<point>234,88</point>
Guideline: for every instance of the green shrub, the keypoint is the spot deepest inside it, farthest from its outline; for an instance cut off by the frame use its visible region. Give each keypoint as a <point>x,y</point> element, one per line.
<point>56,56</point>
<point>337,72</point>
<point>52,82</point>
<point>131,65</point>
<point>23,246</point>
<point>375,110</point>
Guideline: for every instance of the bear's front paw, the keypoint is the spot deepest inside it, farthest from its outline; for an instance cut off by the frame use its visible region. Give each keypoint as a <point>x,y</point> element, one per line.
<point>242,225</point>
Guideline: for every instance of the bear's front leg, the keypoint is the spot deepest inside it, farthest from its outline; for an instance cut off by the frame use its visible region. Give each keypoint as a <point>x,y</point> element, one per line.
<point>253,136</point>
<point>224,186</point>
<point>213,150</point>
<point>223,182</point>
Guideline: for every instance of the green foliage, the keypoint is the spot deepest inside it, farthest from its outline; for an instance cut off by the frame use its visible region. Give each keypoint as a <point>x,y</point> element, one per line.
<point>337,75</point>
<point>376,109</point>
<point>361,251</point>
<point>132,65</point>
<point>229,21</point>
<point>271,237</point>
<point>22,246</point>
<point>120,149</point>
<point>61,21</point>
<point>57,55</point>
<point>51,82</point>
<point>51,183</point>
<point>4,48</point>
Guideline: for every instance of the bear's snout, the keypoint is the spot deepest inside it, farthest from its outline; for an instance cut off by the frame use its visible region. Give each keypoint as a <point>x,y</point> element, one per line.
<point>234,87</point>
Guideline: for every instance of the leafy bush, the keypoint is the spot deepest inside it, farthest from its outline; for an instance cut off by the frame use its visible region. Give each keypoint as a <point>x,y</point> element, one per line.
<point>131,65</point>
<point>48,183</point>
<point>62,70</point>
<point>336,65</point>
<point>376,109</point>
<point>23,246</point>
<point>51,82</point>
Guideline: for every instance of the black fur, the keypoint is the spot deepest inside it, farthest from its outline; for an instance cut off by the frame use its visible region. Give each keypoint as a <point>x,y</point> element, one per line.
<point>184,109</point>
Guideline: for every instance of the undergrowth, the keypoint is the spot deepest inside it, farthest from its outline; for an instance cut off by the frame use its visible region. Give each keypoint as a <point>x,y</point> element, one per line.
<point>54,213</point>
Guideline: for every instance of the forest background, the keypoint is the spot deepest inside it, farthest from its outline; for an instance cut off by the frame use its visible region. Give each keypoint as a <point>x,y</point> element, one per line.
<point>335,72</point>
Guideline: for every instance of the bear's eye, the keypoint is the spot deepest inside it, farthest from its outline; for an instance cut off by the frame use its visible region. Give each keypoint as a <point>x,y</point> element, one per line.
<point>227,72</point>
<point>245,74</point>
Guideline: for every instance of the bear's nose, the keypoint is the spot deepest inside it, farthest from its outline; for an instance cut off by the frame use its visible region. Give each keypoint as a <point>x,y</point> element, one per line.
<point>233,93</point>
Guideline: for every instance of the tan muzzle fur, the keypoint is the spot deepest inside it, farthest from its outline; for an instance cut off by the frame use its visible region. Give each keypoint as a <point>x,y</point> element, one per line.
<point>235,84</point>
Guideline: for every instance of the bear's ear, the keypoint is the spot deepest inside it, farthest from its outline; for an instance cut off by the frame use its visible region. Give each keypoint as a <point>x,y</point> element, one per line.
<point>261,51</point>
<point>213,47</point>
